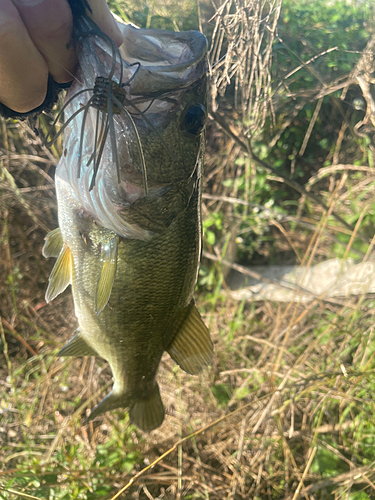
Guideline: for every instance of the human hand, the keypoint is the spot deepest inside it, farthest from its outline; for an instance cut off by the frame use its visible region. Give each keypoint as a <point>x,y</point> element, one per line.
<point>35,38</point>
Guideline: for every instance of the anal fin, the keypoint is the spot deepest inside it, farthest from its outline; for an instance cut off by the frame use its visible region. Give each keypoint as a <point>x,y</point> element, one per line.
<point>77,346</point>
<point>192,348</point>
<point>53,243</point>
<point>61,275</point>
<point>107,274</point>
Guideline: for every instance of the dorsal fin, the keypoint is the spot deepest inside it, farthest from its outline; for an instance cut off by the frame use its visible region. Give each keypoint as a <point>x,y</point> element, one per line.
<point>61,275</point>
<point>192,348</point>
<point>77,346</point>
<point>108,261</point>
<point>53,243</point>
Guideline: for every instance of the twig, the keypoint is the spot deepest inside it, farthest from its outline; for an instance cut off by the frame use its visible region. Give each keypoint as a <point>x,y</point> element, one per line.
<point>68,420</point>
<point>311,126</point>
<point>176,445</point>
<point>8,176</point>
<point>252,274</point>
<point>322,172</point>
<point>296,493</point>
<point>356,475</point>
<point>312,59</point>
<point>18,336</point>
<point>352,236</point>
<point>18,493</point>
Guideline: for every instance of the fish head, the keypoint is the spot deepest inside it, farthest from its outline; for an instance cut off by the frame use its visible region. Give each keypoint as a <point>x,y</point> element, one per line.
<point>172,82</point>
<point>134,119</point>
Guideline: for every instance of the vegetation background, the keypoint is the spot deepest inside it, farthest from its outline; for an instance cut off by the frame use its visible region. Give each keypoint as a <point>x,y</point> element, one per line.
<point>287,410</point>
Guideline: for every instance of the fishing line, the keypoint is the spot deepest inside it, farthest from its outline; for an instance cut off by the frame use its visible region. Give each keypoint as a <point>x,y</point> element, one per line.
<point>145,110</point>
<point>135,72</point>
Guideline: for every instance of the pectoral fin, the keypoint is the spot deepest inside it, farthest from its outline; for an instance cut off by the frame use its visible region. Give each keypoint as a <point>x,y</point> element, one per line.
<point>192,348</point>
<point>61,275</point>
<point>53,243</point>
<point>107,274</point>
<point>77,346</point>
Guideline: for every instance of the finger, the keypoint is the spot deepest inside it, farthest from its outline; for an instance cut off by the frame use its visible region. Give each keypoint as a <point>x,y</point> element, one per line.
<point>102,16</point>
<point>23,71</point>
<point>50,26</point>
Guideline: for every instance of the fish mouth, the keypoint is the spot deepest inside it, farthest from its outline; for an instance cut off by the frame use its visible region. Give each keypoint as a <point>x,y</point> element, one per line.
<point>148,62</point>
<point>169,61</point>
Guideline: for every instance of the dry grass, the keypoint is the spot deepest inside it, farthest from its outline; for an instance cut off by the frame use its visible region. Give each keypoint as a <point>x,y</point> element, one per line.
<point>287,409</point>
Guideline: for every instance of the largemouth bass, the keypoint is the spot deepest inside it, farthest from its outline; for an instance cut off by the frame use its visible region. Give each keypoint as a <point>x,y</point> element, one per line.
<point>129,196</point>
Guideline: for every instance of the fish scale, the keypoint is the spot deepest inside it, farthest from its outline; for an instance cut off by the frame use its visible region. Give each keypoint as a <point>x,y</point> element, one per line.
<point>133,289</point>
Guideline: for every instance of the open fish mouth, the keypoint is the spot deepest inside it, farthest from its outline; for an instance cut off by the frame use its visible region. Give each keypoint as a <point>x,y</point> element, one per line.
<point>146,103</point>
<point>169,60</point>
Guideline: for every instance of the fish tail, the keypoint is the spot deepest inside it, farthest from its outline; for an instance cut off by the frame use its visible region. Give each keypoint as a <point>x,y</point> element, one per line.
<point>148,414</point>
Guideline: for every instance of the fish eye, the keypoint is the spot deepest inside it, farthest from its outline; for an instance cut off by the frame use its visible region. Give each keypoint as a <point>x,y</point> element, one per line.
<point>193,118</point>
